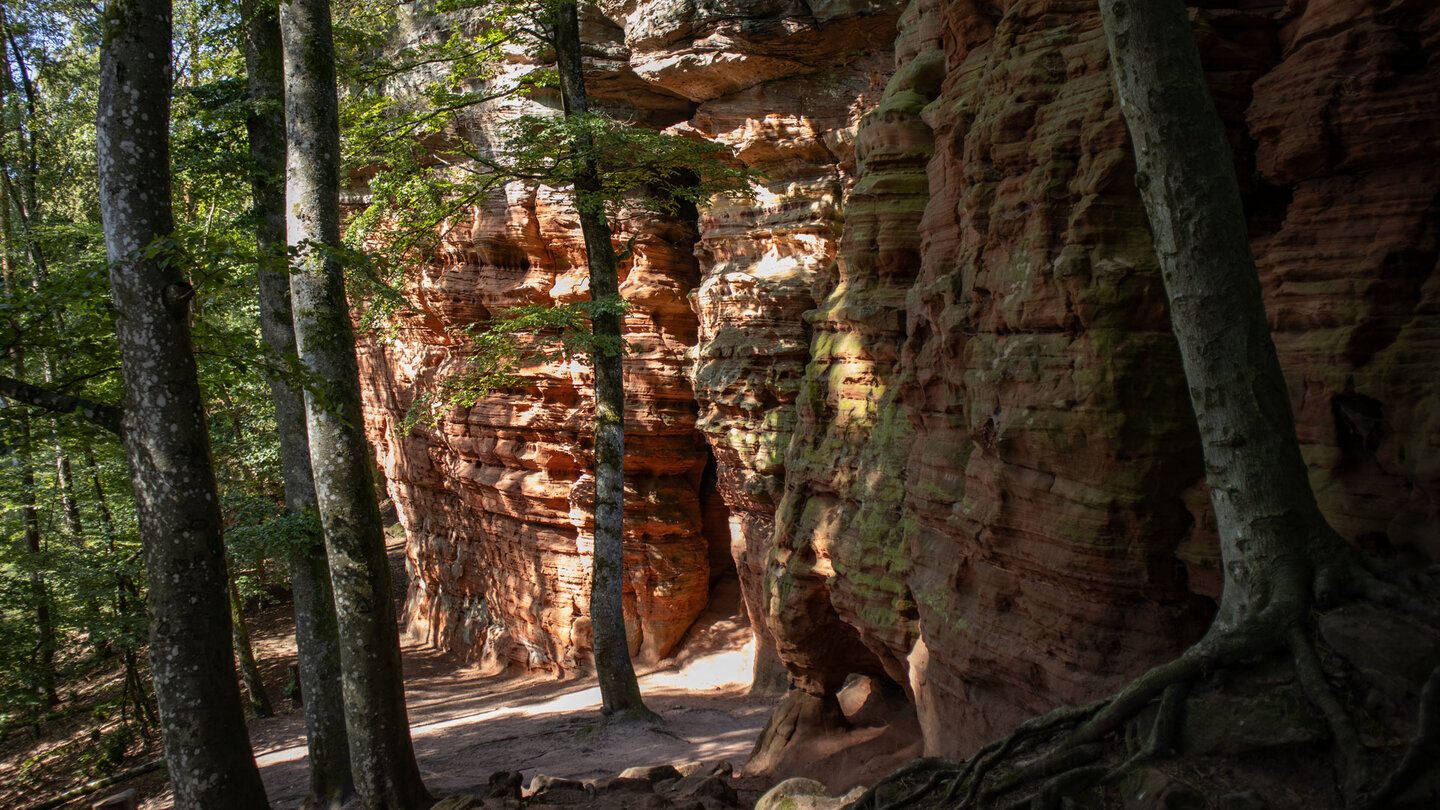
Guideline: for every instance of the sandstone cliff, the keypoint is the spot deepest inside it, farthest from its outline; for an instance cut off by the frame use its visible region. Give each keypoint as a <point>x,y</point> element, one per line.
<point>920,390</point>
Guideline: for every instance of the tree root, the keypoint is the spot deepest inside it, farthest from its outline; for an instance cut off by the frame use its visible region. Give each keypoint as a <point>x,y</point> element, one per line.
<point>1311,675</point>
<point>1422,752</point>
<point>1076,745</point>
<point>1057,787</point>
<point>934,770</point>
<point>1399,591</point>
<point>1165,731</point>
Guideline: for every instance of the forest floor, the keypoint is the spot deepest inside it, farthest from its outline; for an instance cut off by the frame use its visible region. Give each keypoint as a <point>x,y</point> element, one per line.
<point>83,738</point>
<point>465,726</point>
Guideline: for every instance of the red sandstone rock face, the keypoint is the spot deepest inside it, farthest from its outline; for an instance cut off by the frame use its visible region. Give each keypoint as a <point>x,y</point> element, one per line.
<point>1349,124</point>
<point>837,565</point>
<point>931,357</point>
<point>766,262</point>
<point>1053,439</point>
<point>1054,476</point>
<point>496,500</point>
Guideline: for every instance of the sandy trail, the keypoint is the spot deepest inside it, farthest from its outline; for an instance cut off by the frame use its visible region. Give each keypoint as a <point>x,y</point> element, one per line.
<point>466,726</point>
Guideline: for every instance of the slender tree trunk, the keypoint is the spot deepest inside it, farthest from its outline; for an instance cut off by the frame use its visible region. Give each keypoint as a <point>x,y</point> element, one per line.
<point>317,632</point>
<point>1273,537</point>
<point>107,530</point>
<point>245,652</point>
<point>206,743</point>
<point>39,589</point>
<point>25,199</point>
<point>317,636</point>
<point>64,475</point>
<point>132,691</point>
<point>382,757</point>
<point>75,527</point>
<point>619,691</point>
<point>20,202</point>
<point>65,480</point>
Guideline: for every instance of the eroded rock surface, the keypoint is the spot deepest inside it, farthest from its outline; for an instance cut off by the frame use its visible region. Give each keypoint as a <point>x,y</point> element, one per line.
<point>931,357</point>
<point>494,498</point>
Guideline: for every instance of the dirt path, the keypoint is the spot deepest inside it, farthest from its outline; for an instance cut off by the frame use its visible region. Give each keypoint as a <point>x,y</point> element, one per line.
<point>466,726</point>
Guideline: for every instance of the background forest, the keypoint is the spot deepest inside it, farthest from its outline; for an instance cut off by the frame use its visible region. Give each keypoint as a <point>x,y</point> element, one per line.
<point>72,585</point>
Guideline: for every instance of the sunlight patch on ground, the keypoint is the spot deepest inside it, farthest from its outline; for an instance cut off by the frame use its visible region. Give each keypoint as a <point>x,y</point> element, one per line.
<point>723,671</point>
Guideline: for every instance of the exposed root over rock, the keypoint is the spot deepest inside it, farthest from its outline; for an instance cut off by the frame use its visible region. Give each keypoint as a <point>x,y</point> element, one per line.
<point>1359,682</point>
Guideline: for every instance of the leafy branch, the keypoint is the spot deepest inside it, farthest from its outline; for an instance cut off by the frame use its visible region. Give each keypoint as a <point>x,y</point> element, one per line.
<point>499,350</point>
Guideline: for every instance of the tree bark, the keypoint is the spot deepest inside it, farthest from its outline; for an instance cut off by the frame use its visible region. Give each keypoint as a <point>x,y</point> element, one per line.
<point>65,481</point>
<point>245,652</point>
<point>1272,534</point>
<point>382,757</point>
<point>39,589</point>
<point>316,634</point>
<point>619,690</point>
<point>206,743</point>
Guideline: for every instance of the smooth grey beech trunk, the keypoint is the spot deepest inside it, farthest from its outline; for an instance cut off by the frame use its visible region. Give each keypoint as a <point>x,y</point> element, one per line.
<point>317,636</point>
<point>1273,539</point>
<point>382,757</point>
<point>619,690</point>
<point>207,747</point>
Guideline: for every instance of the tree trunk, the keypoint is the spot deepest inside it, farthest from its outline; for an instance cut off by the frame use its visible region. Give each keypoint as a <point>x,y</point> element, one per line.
<point>75,527</point>
<point>206,743</point>
<point>245,652</point>
<point>65,481</point>
<point>26,199</point>
<point>39,590</point>
<point>619,691</point>
<point>381,755</point>
<point>1272,534</point>
<point>132,692</point>
<point>316,634</point>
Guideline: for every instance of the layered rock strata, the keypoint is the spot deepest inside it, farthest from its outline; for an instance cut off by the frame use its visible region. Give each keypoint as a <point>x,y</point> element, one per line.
<point>931,356</point>
<point>838,559</point>
<point>493,500</point>
<point>766,261</point>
